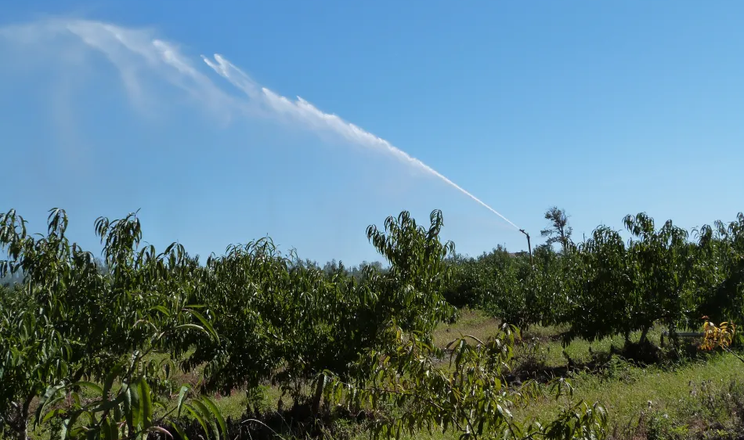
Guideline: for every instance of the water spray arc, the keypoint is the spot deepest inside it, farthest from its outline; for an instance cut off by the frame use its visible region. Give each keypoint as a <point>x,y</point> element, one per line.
<point>305,113</point>
<point>135,52</point>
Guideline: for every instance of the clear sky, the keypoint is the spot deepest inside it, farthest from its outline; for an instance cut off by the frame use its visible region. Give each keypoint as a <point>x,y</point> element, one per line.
<point>601,108</point>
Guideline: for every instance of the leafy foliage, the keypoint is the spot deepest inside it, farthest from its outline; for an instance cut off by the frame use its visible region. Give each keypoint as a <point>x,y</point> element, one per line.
<point>468,396</point>
<point>91,344</point>
<point>720,335</point>
<point>606,285</point>
<point>600,286</point>
<point>559,230</point>
<point>70,321</point>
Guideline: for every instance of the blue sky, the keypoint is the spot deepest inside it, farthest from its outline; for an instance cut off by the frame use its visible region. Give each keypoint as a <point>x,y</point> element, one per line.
<point>601,108</point>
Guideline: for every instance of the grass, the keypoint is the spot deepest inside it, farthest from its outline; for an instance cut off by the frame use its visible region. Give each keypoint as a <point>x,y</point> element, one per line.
<point>470,322</point>
<point>539,344</point>
<point>627,391</point>
<point>700,399</point>
<point>685,401</point>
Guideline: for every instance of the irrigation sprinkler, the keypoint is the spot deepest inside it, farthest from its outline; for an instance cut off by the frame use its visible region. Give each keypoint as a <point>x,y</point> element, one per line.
<point>529,245</point>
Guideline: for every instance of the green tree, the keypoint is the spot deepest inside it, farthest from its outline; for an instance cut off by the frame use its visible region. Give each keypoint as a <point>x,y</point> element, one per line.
<point>71,321</point>
<point>412,289</point>
<point>467,395</point>
<point>716,285</point>
<point>599,287</point>
<point>293,323</point>
<point>658,271</point>
<point>559,230</point>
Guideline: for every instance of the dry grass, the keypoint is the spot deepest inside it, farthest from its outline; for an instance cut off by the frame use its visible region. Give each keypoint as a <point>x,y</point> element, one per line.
<point>471,322</point>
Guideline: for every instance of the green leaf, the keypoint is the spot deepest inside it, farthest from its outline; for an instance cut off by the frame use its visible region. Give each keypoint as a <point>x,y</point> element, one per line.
<point>133,409</point>
<point>195,413</point>
<point>90,385</point>
<point>194,326</point>
<point>179,431</point>
<point>145,396</point>
<point>47,400</point>
<point>216,414</point>
<point>52,413</point>
<point>206,414</point>
<point>161,309</point>
<point>109,429</point>
<point>181,396</point>
<point>67,424</point>
<point>205,323</point>
<point>106,405</point>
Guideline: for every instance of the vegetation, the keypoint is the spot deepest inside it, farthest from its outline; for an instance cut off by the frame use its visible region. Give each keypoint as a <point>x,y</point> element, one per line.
<point>140,344</point>
<point>559,230</point>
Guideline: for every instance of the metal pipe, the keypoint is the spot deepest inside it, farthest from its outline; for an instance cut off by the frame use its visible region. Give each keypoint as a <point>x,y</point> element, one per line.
<point>529,245</point>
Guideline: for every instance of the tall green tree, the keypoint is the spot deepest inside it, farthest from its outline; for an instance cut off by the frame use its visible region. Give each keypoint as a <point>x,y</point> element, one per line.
<point>559,230</point>
<point>599,287</point>
<point>72,321</point>
<point>658,271</point>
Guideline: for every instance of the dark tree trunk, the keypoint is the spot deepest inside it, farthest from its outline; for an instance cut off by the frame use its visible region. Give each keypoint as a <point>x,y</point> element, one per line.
<point>673,336</point>
<point>644,334</point>
<point>318,397</point>
<point>20,424</point>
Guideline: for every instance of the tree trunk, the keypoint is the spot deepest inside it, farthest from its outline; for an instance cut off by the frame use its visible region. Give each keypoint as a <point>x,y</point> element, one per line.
<point>318,397</point>
<point>673,336</point>
<point>20,425</point>
<point>21,431</point>
<point>644,334</point>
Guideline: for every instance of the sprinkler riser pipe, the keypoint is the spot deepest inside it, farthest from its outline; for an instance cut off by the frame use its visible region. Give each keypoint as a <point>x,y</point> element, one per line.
<point>529,245</point>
